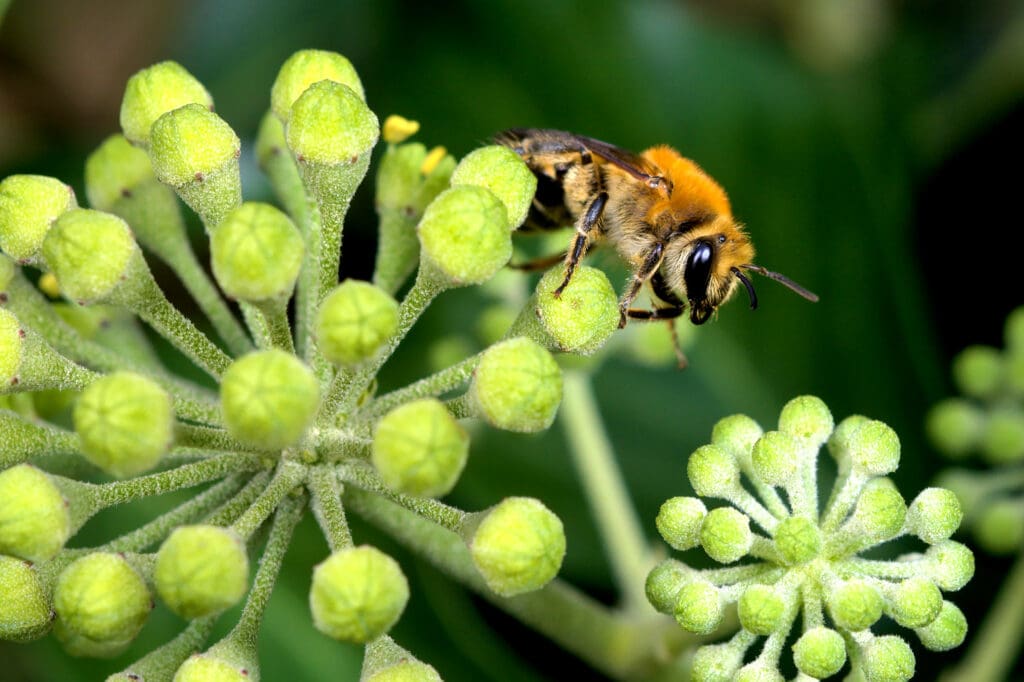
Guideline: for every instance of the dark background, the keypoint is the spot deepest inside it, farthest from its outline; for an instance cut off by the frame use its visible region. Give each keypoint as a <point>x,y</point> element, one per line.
<point>873,153</point>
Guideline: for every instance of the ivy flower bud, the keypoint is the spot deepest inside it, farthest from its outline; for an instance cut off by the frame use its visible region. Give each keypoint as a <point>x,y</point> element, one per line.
<point>955,427</point>
<point>517,386</point>
<point>269,398</point>
<point>113,171</point>
<point>888,659</point>
<point>776,458</point>
<point>28,206</point>
<point>154,91</point>
<point>405,671</point>
<point>1000,526</point>
<point>679,522</point>
<point>798,540</point>
<point>663,584</point>
<point>839,442</point>
<point>947,631</point>
<point>716,663</point>
<point>759,671</point>
<point>207,667</point>
<point>725,535</point>
<point>90,252</point>
<point>583,317</point>
<point>880,511</point>
<point>761,610</point>
<point>331,125</point>
<point>699,607</point>
<point>517,546</point>
<point>358,593</point>
<point>951,565</point>
<point>34,518</point>
<point>303,69</point>
<point>402,184</point>
<point>420,449</point>
<point>712,472</point>
<point>463,236</point>
<point>354,322</point>
<point>807,419</point>
<point>256,253</point>
<point>25,612</point>
<point>934,515</point>
<point>126,423</point>
<point>504,173</point>
<point>855,605</point>
<point>7,272</point>
<point>874,448</point>
<point>736,434</point>
<point>201,570</point>
<point>915,602</point>
<point>819,653</point>
<point>1002,441</point>
<point>101,604</point>
<point>978,371</point>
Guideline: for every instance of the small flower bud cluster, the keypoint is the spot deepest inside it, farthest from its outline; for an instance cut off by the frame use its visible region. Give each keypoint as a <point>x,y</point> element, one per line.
<point>783,558</point>
<point>988,420</point>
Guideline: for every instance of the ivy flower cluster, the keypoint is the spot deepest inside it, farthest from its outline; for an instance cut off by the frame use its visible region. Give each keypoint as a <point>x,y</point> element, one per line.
<point>806,560</point>
<point>293,421</point>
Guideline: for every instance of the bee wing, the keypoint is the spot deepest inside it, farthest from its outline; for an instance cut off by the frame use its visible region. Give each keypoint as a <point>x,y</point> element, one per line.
<point>560,141</point>
<point>632,163</point>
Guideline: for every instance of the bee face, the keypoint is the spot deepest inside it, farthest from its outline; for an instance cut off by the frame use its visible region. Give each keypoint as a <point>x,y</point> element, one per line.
<point>697,277</point>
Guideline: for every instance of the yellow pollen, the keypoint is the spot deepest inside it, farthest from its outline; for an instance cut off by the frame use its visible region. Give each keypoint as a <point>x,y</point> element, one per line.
<point>398,129</point>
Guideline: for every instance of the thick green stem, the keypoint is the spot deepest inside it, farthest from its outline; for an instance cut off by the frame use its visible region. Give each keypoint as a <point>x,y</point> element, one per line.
<point>159,665</point>
<point>434,385</point>
<point>364,477</point>
<point>326,505</point>
<point>399,250</point>
<point>275,322</point>
<point>24,439</point>
<point>288,475</point>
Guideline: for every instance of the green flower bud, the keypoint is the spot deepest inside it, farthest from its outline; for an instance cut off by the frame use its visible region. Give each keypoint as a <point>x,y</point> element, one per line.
<point>90,252</point>
<point>354,322</point>
<point>210,668</point>
<point>699,607</point>
<point>1000,526</point>
<point>888,659</point>
<point>583,317</point>
<point>358,594</point>
<point>113,171</point>
<point>679,521</point>
<point>101,604</point>
<point>955,426</point>
<point>1002,441</point>
<point>28,206</point>
<point>947,631</point>
<point>934,515</point>
<point>758,672</point>
<point>34,518</point>
<point>716,663</point>
<point>504,173</point>
<point>269,398</point>
<point>713,472</point>
<point>331,125</point>
<point>761,610</point>
<point>25,612</point>
<point>303,69</point>
<point>463,236</point>
<point>819,653</point>
<point>839,442</point>
<point>126,423</point>
<point>874,449</point>
<point>725,535</point>
<point>798,540</point>
<point>951,565</point>
<point>517,386</point>
<point>256,253</point>
<point>201,570</point>
<point>12,347</point>
<point>807,419</point>
<point>978,371</point>
<point>915,602</point>
<point>405,671</point>
<point>420,449</point>
<point>776,458</point>
<point>154,91</point>
<point>518,546</point>
<point>880,511</point>
<point>855,605</point>
<point>663,584</point>
<point>737,435</point>
<point>7,272</point>
<point>402,184</point>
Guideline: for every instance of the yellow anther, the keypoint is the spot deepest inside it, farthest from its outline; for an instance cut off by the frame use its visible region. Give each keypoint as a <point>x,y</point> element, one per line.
<point>432,159</point>
<point>48,285</point>
<point>398,129</point>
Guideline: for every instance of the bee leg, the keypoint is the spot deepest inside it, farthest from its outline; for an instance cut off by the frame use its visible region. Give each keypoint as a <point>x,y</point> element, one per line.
<point>652,261</point>
<point>669,315</point>
<point>579,244</point>
<point>542,263</point>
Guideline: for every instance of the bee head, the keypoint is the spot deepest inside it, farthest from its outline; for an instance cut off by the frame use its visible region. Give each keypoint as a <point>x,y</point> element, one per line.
<point>709,261</point>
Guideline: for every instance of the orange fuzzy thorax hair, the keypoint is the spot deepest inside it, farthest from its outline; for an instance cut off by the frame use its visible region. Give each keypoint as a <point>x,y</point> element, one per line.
<point>693,191</point>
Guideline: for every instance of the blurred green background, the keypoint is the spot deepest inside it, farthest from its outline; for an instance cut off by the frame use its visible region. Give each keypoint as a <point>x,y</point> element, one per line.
<point>873,149</point>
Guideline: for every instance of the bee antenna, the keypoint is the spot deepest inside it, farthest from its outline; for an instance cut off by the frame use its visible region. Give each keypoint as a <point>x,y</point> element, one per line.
<point>750,287</point>
<point>781,279</point>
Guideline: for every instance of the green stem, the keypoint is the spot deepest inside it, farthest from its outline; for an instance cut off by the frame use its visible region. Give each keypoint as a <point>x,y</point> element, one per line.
<point>229,512</point>
<point>24,439</point>
<point>365,478</point>
<point>434,385</point>
<point>326,505</point>
<point>206,437</point>
<point>399,251</point>
<point>275,322</point>
<point>160,664</point>
<point>288,475</point>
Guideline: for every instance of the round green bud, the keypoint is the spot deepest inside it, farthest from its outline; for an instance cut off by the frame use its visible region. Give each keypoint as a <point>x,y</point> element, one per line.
<point>25,612</point>
<point>716,663</point>
<point>1000,526</point>
<point>934,515</point>
<point>839,441</point>
<point>915,602</point>
<point>517,386</point>
<point>518,547</point>
<point>978,371</point>
<point>663,583</point>
<point>256,253</point>
<point>874,449</point>
<point>679,521</point>
<point>331,125</point>
<point>504,173</point>
<point>776,458</point>
<point>798,540</point>
<point>190,143</point>
<point>725,535</point>
<point>269,398</point>
<point>154,91</point>
<point>114,170</point>
<point>126,423</point>
<point>807,419</point>
<point>582,318</point>
<point>358,594</point>
<point>761,610</point>
<point>34,518</point>
<point>303,69</point>
<point>888,659</point>
<point>880,511</point>
<point>820,652</point>
<point>951,565</point>
<point>354,322</point>
<point>955,426</point>
<point>1002,441</point>
<point>201,570</point>
<point>12,347</point>
<point>101,604</point>
<point>420,449</point>
<point>28,206</point>
<point>759,672</point>
<point>89,252</point>
<point>209,668</point>
<point>463,235</point>
<point>947,631</point>
<point>699,607</point>
<point>713,472</point>
<point>736,434</point>
<point>855,605</point>
<point>405,671</point>
<point>405,185</point>
<point>7,271</point>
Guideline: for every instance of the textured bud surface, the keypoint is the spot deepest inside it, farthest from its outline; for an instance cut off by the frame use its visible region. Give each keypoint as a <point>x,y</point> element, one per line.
<point>256,253</point>
<point>303,69</point>
<point>517,386</point>
<point>190,143</point>
<point>201,570</point>
<point>712,471</point>
<point>679,521</point>
<point>34,519</point>
<point>12,346</point>
<point>330,124</point>
<point>207,668</point>
<point>420,449</point>
<point>28,206</point>
<point>583,317</point>
<point>888,659</point>
<point>760,609</point>
<point>357,594</point>
<point>354,322</point>
<point>89,252</point>
<point>154,91</point>
<point>726,535</point>
<point>947,631</point>
<point>113,170</point>
<point>464,235</point>
<point>807,419</point>
<point>24,605</point>
<point>405,671</point>
<point>699,607</point>
<point>505,174</point>
<point>518,546</point>
<point>820,652</point>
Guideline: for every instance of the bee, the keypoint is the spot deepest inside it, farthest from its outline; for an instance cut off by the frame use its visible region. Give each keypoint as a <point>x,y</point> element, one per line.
<point>667,218</point>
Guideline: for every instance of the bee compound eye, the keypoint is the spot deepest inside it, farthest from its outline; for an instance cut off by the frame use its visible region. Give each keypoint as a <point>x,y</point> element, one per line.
<point>698,272</point>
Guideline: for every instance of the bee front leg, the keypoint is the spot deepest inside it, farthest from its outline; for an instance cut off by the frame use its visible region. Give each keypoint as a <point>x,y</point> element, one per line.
<point>652,261</point>
<point>579,245</point>
<point>669,315</point>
